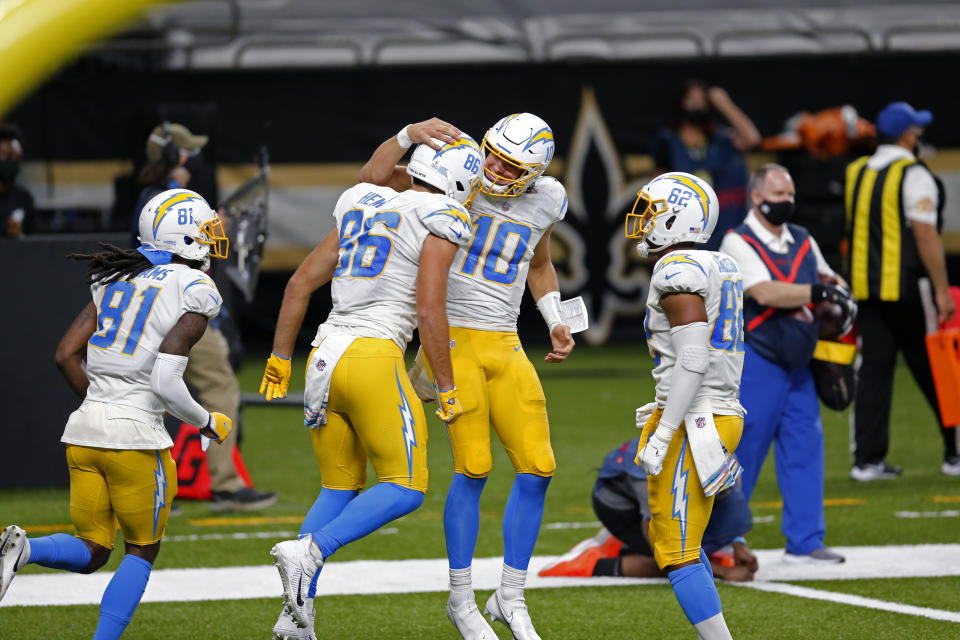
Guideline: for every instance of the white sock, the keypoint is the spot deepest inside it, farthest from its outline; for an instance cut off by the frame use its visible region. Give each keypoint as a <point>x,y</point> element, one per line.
<point>461,585</point>
<point>713,628</point>
<point>512,582</point>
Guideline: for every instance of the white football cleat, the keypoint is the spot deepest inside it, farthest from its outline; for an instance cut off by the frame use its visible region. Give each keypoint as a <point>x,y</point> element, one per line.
<point>512,613</point>
<point>14,553</point>
<point>286,627</point>
<point>297,563</point>
<point>468,621</point>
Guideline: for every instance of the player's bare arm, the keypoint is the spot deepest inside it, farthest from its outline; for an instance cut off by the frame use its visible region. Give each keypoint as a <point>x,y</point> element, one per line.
<point>314,272</point>
<point>73,346</point>
<point>382,169</point>
<point>683,308</point>
<point>435,260</point>
<point>184,335</point>
<point>542,280</point>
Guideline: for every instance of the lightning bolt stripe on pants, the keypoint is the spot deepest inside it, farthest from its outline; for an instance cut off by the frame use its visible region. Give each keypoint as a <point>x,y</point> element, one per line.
<point>409,435</point>
<point>679,492</point>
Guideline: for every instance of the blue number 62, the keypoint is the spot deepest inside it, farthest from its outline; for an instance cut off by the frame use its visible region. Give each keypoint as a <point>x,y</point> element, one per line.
<point>679,196</point>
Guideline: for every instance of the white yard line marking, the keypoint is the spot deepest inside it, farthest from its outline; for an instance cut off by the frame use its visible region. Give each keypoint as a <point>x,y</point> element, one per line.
<point>947,513</point>
<point>856,601</point>
<point>412,576</point>
<point>592,524</point>
<point>254,535</point>
<point>249,535</point>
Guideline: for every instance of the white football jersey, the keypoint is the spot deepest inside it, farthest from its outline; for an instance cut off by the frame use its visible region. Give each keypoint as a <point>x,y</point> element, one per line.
<point>381,236</point>
<point>716,278</point>
<point>488,278</point>
<point>134,315</point>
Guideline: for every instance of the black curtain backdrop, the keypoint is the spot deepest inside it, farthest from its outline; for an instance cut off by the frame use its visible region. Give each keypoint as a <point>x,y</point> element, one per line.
<point>92,111</point>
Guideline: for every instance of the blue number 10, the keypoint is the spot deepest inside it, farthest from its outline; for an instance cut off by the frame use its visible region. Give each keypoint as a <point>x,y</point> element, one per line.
<point>497,248</point>
<point>106,336</point>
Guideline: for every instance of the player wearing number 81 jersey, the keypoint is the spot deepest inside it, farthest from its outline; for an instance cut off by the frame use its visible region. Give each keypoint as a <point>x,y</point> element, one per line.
<point>694,329</point>
<point>125,355</point>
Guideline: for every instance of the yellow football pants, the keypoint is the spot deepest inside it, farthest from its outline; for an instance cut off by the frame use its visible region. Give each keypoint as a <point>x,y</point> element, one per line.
<point>372,411</point>
<point>132,487</point>
<point>498,387</point>
<point>679,509</point>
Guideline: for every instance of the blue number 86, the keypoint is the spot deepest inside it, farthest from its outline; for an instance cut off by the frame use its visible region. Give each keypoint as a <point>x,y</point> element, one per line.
<point>472,164</point>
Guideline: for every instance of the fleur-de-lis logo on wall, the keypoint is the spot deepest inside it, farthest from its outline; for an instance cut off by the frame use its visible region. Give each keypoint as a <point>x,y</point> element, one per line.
<point>592,257</point>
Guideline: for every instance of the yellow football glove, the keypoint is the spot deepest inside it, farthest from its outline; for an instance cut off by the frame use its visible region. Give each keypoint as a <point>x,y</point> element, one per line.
<point>276,377</point>
<point>448,407</point>
<point>217,429</point>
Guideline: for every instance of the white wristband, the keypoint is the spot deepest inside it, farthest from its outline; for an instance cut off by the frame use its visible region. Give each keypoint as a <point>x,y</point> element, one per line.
<point>549,306</point>
<point>403,139</point>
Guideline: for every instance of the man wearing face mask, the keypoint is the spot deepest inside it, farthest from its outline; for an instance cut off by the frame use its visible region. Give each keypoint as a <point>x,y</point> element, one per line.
<point>898,272</point>
<point>699,141</point>
<point>16,203</point>
<point>782,271</point>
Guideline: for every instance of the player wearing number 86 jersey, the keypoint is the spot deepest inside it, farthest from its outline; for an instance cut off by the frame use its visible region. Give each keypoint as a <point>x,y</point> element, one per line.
<point>388,258</point>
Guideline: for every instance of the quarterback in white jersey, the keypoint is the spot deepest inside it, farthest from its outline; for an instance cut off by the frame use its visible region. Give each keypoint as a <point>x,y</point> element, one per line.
<point>388,258</point>
<point>125,355</point>
<point>512,218</point>
<point>694,328</point>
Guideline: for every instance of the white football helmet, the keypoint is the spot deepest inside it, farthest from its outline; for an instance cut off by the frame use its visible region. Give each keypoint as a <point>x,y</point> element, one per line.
<point>672,208</point>
<point>181,222</point>
<point>523,142</point>
<point>454,168</point>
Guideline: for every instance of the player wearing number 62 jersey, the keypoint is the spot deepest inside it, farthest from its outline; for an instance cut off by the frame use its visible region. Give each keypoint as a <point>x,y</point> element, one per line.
<point>694,329</point>
<point>125,355</point>
<point>388,259</point>
<point>498,386</point>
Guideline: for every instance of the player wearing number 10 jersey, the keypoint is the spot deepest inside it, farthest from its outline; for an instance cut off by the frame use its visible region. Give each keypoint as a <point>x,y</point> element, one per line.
<point>125,355</point>
<point>498,386</point>
<point>694,328</point>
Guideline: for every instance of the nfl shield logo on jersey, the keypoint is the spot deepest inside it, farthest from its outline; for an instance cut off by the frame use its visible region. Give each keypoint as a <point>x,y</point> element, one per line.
<point>701,422</point>
<point>321,364</point>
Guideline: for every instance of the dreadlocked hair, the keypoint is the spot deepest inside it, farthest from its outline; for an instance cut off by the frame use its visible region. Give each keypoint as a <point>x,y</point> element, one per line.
<point>106,266</point>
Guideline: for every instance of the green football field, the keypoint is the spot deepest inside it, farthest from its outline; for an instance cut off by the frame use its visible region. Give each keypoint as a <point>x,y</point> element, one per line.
<point>591,400</point>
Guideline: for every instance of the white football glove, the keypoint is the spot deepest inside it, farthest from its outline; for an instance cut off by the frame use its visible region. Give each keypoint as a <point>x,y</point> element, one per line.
<point>652,455</point>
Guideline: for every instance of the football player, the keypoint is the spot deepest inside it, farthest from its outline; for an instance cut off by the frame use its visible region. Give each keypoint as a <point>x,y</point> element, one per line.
<point>512,220</point>
<point>388,258</point>
<point>125,355</point>
<point>694,329</point>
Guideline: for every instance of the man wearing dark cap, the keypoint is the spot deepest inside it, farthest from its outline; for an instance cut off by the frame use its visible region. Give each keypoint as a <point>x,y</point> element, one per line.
<point>898,275</point>
<point>168,148</point>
